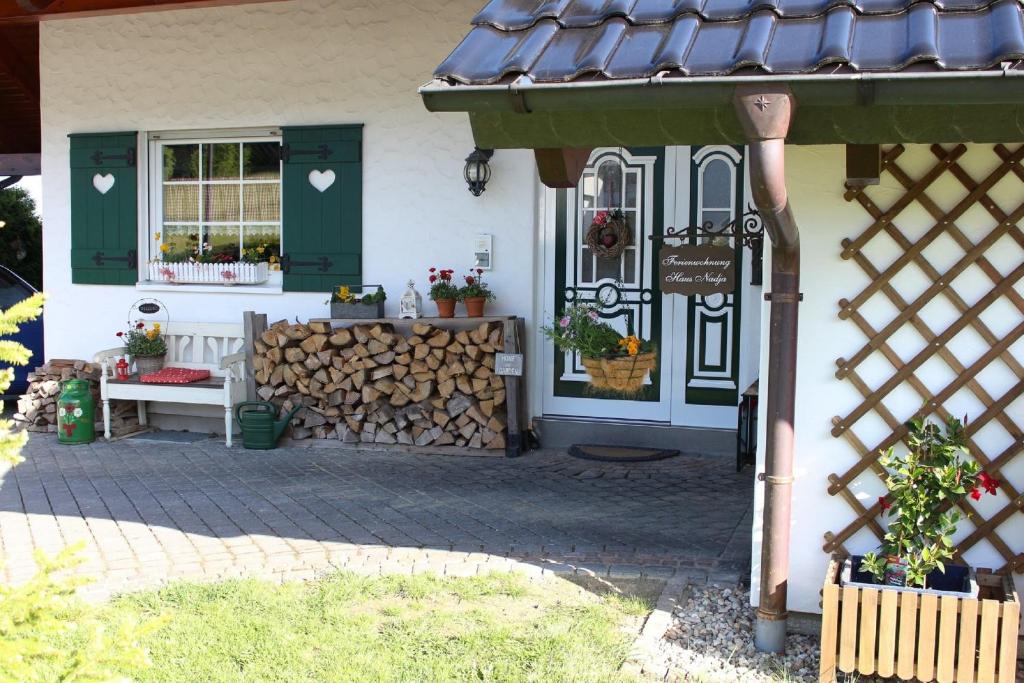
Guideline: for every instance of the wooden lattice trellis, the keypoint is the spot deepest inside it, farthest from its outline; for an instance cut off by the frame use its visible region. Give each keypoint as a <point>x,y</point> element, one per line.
<point>906,373</point>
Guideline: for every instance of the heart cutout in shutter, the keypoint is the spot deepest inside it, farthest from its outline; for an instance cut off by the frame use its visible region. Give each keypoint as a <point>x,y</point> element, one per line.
<point>321,180</point>
<point>103,183</point>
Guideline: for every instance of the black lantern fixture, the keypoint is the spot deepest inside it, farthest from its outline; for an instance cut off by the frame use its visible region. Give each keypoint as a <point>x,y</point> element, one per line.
<point>478,171</point>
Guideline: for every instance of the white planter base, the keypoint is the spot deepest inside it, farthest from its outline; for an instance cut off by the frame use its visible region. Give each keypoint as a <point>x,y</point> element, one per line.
<point>225,274</point>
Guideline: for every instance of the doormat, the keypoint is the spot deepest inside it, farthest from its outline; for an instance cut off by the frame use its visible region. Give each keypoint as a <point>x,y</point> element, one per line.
<point>620,453</point>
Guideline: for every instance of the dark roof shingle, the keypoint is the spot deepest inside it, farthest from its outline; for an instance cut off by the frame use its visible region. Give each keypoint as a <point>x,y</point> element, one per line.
<point>564,40</point>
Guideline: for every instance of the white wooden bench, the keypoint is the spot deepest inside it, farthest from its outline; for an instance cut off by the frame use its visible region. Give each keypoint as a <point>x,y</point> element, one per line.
<point>217,347</point>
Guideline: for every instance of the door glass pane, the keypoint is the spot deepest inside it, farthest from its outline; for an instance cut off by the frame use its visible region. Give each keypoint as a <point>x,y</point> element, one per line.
<point>609,184</point>
<point>181,162</point>
<point>717,185</point>
<point>260,161</point>
<point>632,179</point>
<point>222,240</point>
<point>588,190</point>
<point>629,266</point>
<point>587,266</point>
<point>221,161</point>
<point>718,219</point>
<point>609,268</point>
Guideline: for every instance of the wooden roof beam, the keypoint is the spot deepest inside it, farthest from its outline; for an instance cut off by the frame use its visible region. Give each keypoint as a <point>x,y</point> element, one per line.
<point>23,70</point>
<point>27,11</point>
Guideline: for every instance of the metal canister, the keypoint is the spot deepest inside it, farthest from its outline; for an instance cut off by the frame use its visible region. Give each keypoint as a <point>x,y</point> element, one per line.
<point>76,413</point>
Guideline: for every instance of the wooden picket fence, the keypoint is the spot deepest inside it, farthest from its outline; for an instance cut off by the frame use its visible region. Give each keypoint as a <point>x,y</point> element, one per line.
<point>887,632</point>
<point>911,321</point>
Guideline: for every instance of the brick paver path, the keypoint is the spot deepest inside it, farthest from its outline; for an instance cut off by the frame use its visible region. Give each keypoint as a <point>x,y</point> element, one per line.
<point>149,512</point>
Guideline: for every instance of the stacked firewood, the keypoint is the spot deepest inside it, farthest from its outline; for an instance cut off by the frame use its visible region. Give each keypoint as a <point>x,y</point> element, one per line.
<point>371,384</point>
<point>37,408</point>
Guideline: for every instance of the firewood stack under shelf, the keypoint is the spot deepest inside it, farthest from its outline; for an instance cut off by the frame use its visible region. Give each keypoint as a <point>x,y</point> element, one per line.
<point>431,385</point>
<point>37,408</point>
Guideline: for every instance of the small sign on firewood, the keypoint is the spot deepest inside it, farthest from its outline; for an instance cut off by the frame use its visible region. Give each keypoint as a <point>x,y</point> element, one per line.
<point>701,269</point>
<point>509,364</point>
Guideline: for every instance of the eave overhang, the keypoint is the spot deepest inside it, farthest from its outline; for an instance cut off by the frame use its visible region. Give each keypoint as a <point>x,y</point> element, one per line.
<point>851,108</point>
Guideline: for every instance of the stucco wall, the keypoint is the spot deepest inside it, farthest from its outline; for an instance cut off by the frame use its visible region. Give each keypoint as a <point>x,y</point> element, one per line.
<point>815,176</point>
<point>292,63</point>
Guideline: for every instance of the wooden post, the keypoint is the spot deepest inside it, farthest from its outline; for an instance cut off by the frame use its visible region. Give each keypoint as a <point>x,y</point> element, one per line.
<point>254,324</point>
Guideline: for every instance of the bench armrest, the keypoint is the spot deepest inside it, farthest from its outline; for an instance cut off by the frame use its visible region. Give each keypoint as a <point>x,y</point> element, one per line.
<point>229,361</point>
<point>107,354</point>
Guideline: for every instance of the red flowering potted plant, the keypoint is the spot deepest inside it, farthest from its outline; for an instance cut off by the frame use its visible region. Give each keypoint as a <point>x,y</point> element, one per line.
<point>925,485</point>
<point>443,291</point>
<point>475,293</point>
<point>147,348</point>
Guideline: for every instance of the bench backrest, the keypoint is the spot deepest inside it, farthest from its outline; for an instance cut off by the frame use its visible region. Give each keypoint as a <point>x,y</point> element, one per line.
<point>202,345</point>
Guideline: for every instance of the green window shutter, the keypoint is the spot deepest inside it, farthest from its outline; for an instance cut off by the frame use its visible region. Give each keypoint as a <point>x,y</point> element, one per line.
<point>104,209</point>
<point>322,227</point>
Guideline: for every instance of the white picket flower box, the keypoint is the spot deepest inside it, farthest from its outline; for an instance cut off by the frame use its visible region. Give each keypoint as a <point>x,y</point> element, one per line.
<point>209,273</point>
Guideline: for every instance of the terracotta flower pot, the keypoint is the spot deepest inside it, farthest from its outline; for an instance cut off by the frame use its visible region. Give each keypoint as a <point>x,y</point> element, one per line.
<point>475,306</point>
<point>445,308</point>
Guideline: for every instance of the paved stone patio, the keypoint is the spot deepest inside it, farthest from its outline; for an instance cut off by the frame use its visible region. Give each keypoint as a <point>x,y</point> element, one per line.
<point>153,511</point>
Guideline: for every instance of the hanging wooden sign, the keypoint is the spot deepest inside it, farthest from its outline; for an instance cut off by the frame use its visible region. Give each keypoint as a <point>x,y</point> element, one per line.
<point>701,269</point>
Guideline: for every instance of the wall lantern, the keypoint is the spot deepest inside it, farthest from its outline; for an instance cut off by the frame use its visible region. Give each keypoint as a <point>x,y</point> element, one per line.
<point>478,171</point>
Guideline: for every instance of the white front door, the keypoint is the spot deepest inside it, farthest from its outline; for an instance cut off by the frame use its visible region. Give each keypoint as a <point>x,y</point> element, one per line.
<point>707,345</point>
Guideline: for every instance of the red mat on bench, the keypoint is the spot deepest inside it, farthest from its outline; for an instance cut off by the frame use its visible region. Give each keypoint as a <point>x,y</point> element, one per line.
<point>175,376</point>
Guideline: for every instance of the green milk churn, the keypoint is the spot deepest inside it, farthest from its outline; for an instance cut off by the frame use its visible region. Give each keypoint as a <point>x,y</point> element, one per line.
<point>76,413</point>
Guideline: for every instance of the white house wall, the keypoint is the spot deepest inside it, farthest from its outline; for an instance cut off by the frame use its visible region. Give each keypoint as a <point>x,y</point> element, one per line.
<point>292,63</point>
<point>815,177</point>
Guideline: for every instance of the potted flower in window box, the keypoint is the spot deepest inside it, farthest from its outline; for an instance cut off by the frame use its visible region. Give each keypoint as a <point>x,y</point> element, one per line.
<point>346,304</point>
<point>475,293</point>
<point>905,580</point>
<point>147,347</point>
<point>443,291</point>
<point>201,264</point>
<point>614,362</point>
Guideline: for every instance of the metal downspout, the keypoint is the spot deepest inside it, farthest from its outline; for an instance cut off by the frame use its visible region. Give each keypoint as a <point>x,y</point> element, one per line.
<point>765,114</point>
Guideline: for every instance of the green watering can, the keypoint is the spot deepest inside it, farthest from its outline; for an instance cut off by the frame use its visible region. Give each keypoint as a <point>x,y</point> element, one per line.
<point>260,431</point>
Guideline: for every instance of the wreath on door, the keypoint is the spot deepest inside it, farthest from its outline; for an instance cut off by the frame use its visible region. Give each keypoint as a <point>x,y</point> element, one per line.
<point>609,234</point>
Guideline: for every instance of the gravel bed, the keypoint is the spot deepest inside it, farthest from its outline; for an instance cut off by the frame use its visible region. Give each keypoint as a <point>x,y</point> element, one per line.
<point>711,640</point>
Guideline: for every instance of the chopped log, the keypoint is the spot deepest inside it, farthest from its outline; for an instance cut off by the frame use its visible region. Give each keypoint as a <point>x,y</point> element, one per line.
<point>403,358</point>
<point>269,337</point>
<point>370,394</point>
<point>441,418</point>
<point>399,371</point>
<point>420,351</point>
<point>312,363</point>
<point>385,358</point>
<point>473,351</point>
<point>297,332</point>
<point>439,339</point>
<point>423,391</point>
<point>375,347</point>
<point>487,407</point>
<point>314,343</point>
<point>458,404</point>
<point>320,327</point>
<point>361,333</point>
<point>474,413</point>
<point>422,329</point>
<point>275,354</point>
<point>341,338</point>
<point>464,385</point>
<point>463,338</point>
<point>294,355</point>
<point>446,439</point>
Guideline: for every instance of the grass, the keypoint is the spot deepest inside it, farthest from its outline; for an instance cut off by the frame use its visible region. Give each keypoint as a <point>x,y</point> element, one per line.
<point>346,627</point>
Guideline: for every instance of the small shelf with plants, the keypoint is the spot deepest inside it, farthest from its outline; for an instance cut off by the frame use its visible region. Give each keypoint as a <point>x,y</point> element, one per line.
<point>346,304</point>
<point>206,266</point>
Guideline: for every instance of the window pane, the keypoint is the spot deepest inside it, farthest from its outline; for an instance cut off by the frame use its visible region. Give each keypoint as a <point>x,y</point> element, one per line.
<point>266,236</point>
<point>587,190</point>
<point>221,161</point>
<point>587,266</point>
<point>180,238</point>
<point>631,185</point>
<point>717,185</point>
<point>181,203</point>
<point>220,203</point>
<point>222,239</point>
<point>260,160</point>
<point>262,202</point>
<point>181,162</point>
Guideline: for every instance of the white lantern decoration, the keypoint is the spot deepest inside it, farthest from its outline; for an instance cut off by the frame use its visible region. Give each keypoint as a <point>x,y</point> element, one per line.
<point>411,305</point>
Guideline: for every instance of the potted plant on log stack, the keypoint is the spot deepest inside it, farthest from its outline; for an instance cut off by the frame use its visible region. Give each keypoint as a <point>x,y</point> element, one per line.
<point>345,304</point>
<point>905,610</point>
<point>147,348</point>
<point>475,294</point>
<point>615,363</point>
<point>443,291</point>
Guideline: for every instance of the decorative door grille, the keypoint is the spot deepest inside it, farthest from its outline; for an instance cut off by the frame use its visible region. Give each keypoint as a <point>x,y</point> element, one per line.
<point>965,380</point>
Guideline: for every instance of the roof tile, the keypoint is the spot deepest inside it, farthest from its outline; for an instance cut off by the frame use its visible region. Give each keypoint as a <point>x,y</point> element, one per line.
<point>563,40</point>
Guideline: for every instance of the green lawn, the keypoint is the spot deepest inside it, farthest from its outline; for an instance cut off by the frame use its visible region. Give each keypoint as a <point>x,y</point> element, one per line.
<point>413,628</point>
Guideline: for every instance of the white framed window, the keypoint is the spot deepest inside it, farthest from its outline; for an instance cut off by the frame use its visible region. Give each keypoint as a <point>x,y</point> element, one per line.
<point>215,194</point>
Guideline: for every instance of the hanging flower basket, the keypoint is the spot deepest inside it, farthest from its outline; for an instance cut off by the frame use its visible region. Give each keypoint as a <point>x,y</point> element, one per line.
<point>609,234</point>
<point>625,374</point>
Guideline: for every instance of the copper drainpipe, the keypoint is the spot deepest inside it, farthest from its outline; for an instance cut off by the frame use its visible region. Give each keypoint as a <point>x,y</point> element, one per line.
<point>765,113</point>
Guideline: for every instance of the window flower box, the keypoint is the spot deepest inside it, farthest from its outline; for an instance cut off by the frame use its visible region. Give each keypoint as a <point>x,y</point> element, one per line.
<point>238,273</point>
<point>925,635</point>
